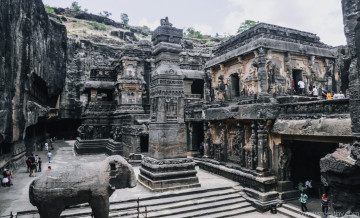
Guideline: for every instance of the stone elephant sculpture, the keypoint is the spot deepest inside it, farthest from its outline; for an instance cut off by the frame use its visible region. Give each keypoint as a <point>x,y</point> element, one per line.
<point>78,183</point>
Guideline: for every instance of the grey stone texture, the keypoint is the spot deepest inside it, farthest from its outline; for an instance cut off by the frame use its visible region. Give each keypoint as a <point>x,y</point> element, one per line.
<point>91,183</point>
<point>341,169</point>
<point>33,52</point>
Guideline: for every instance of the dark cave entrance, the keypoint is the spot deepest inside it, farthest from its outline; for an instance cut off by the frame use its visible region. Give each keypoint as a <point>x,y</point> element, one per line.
<point>235,85</point>
<point>197,87</point>
<point>144,143</point>
<point>64,129</point>
<point>197,135</point>
<point>305,161</point>
<point>297,76</point>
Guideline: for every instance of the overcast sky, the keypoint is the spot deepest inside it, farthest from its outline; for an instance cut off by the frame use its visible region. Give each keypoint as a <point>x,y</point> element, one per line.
<point>322,17</point>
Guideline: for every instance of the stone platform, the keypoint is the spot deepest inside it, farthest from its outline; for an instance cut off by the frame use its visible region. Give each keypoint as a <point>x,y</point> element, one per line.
<point>168,174</point>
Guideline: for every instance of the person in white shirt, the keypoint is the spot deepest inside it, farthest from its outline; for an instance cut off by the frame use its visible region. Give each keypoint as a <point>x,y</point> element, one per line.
<point>301,85</point>
<point>315,92</point>
<point>308,184</point>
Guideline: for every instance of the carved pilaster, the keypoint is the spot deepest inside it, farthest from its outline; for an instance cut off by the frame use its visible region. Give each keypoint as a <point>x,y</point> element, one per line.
<point>262,149</point>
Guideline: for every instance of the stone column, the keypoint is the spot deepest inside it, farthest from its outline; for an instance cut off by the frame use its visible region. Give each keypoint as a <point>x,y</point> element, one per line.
<point>167,167</point>
<point>262,149</point>
<point>260,64</point>
<point>206,140</point>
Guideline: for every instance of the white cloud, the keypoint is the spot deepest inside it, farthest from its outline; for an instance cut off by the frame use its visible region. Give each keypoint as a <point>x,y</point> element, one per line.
<point>151,24</point>
<point>204,28</point>
<point>322,17</point>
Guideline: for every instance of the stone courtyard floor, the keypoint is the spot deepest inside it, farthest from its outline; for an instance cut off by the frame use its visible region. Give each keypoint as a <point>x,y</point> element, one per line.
<point>16,197</point>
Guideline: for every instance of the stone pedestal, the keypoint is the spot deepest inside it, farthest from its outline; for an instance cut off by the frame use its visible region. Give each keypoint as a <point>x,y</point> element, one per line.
<point>168,174</point>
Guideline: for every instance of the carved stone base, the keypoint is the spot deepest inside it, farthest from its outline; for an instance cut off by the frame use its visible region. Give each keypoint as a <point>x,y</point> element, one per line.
<point>95,146</point>
<point>168,174</point>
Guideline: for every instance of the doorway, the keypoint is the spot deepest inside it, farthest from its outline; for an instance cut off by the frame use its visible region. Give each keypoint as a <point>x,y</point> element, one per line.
<point>297,76</point>
<point>235,85</point>
<point>305,161</point>
<point>197,136</point>
<point>144,143</point>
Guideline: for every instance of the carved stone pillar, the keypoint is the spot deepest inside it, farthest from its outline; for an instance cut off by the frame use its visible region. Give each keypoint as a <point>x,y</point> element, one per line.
<point>262,149</point>
<point>167,167</point>
<point>242,144</point>
<point>206,140</point>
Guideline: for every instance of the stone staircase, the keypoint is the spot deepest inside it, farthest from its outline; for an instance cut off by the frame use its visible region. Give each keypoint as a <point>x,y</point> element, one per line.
<point>294,212</point>
<point>216,202</point>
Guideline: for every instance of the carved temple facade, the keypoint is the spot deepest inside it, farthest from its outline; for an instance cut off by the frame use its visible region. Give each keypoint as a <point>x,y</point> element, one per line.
<point>241,101</point>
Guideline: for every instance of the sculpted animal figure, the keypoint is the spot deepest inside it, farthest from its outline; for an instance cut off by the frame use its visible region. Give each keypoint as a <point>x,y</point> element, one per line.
<point>80,183</point>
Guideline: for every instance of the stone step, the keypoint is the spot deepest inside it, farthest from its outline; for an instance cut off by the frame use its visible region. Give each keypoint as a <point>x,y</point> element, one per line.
<point>290,213</point>
<point>155,202</point>
<point>206,210</point>
<point>201,209</point>
<point>183,205</point>
<point>231,213</point>
<point>163,199</point>
<point>297,210</point>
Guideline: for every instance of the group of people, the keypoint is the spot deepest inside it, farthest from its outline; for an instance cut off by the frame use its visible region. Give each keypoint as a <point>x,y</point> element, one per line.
<point>318,91</point>
<point>33,164</point>
<point>325,203</point>
<point>6,181</point>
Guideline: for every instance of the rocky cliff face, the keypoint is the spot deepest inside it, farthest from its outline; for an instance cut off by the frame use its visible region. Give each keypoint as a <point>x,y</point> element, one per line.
<point>341,170</point>
<point>83,55</point>
<point>32,68</point>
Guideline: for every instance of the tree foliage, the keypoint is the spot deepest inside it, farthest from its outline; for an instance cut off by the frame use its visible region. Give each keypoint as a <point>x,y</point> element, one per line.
<point>105,14</point>
<point>124,18</point>
<point>75,6</point>
<point>49,9</point>
<point>191,32</point>
<point>246,25</point>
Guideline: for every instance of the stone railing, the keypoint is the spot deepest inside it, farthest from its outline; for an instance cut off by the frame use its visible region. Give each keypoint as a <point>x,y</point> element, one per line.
<point>323,107</point>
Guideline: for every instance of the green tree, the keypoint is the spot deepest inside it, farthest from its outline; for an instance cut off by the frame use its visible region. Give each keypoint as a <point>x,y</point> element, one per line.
<point>124,18</point>
<point>75,6</point>
<point>246,25</point>
<point>191,32</point>
<point>49,9</point>
<point>107,14</point>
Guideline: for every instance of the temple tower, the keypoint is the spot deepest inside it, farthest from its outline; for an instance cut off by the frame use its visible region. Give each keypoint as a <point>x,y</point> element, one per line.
<point>167,166</point>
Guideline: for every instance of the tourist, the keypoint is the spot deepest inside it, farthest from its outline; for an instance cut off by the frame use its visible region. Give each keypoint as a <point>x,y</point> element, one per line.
<point>10,176</point>
<point>39,164</point>
<point>347,93</point>
<point>201,149</point>
<point>315,92</point>
<point>328,97</point>
<point>301,85</point>
<point>36,162</point>
<point>48,169</point>
<point>325,205</point>
<point>32,167</point>
<point>28,163</point>
<point>308,184</point>
<point>46,146</point>
<point>303,198</point>
<point>49,156</point>
<point>324,93</point>
<point>341,95</point>
<point>5,179</point>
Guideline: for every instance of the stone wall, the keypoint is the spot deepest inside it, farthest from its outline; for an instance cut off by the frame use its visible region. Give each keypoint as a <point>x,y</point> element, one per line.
<point>32,46</point>
<point>83,56</point>
<point>341,169</point>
